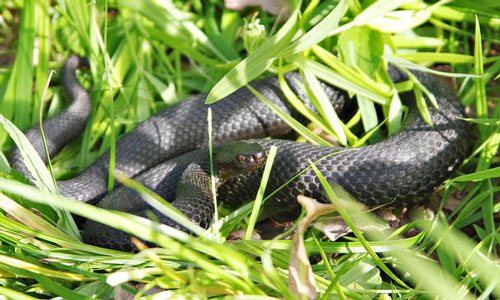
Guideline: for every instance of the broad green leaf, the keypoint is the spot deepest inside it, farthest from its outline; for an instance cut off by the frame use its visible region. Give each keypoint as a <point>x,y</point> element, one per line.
<point>255,63</point>
<point>353,50</point>
<point>352,46</point>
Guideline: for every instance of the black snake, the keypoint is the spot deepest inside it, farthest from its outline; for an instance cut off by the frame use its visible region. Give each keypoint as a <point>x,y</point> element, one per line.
<point>404,168</point>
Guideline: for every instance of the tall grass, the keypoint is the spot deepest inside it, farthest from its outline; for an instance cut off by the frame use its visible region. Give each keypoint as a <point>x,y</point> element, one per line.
<point>148,54</point>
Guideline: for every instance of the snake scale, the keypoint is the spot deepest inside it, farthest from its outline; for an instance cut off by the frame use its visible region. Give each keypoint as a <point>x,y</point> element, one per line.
<point>402,169</point>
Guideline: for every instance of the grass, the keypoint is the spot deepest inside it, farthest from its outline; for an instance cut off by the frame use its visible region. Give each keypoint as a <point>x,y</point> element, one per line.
<point>148,54</point>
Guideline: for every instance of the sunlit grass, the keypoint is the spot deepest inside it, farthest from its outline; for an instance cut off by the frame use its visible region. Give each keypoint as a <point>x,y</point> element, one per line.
<point>146,55</point>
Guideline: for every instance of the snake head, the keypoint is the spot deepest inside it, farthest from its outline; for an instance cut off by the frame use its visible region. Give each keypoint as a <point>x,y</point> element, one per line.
<point>235,158</point>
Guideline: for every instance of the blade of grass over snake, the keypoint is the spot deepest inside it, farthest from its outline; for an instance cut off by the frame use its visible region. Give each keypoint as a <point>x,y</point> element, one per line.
<point>324,105</point>
<point>478,175</point>
<point>395,114</point>
<point>260,193</point>
<point>32,161</point>
<point>108,73</point>
<point>236,216</point>
<point>395,60</point>
<point>333,78</point>
<point>294,124</point>
<point>299,105</point>
<point>349,221</point>
<point>162,206</point>
<point>42,134</point>
<point>362,141</point>
<point>256,62</point>
<point>356,76</point>
<point>484,121</point>
<point>215,225</point>
<point>422,105</point>
<point>423,88</point>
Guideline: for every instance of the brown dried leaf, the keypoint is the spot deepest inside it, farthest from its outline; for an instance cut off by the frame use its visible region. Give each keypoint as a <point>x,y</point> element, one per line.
<point>301,277</point>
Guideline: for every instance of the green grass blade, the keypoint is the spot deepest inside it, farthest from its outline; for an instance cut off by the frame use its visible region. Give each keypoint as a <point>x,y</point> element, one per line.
<point>256,62</point>
<point>300,107</point>
<point>163,206</point>
<point>17,99</point>
<point>32,160</point>
<point>450,58</point>
<point>294,124</point>
<point>13,294</point>
<point>324,105</point>
<point>318,32</point>
<point>260,193</point>
<point>333,78</point>
<point>346,216</point>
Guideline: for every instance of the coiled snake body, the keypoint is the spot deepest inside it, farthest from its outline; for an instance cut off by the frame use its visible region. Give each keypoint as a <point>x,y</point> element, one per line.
<point>403,168</point>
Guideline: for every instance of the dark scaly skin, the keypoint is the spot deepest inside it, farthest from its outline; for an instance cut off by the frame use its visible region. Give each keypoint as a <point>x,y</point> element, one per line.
<point>169,133</point>
<point>404,168</point>
<point>65,127</point>
<point>186,179</point>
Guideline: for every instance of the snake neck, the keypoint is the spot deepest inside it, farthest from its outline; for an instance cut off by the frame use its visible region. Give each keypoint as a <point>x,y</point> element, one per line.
<point>194,189</point>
